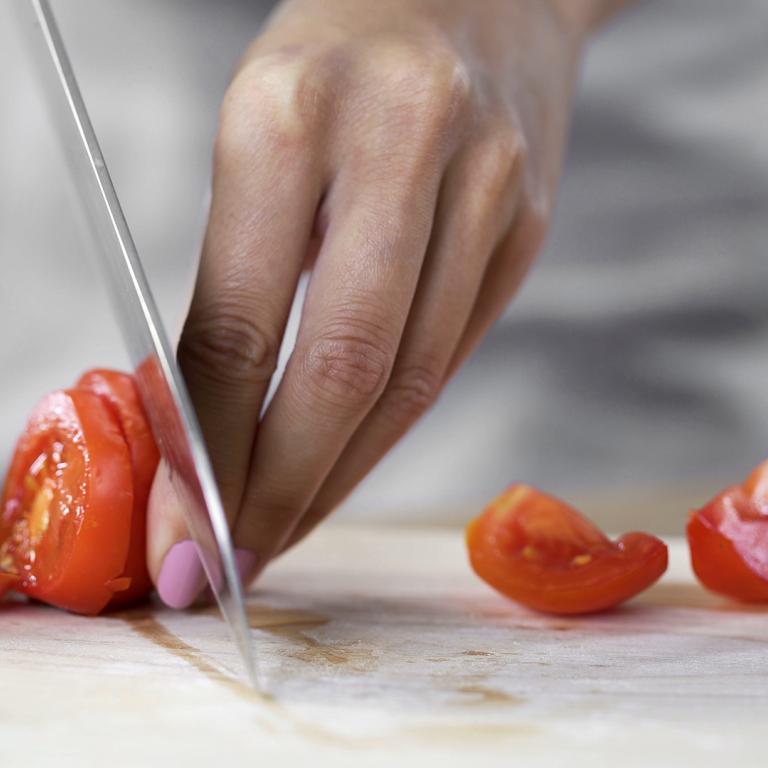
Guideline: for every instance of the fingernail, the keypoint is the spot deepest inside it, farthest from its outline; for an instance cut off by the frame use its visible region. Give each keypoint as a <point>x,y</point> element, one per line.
<point>246,564</point>
<point>181,577</point>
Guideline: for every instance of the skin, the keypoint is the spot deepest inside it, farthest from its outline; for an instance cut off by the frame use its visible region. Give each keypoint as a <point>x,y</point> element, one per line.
<point>407,152</point>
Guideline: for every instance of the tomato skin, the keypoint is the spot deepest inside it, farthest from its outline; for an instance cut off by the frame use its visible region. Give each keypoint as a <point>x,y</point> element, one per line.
<point>540,552</point>
<point>84,535</point>
<point>728,540</point>
<point>118,390</point>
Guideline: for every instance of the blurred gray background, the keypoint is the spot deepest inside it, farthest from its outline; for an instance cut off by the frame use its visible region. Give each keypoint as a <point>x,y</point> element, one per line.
<point>630,372</point>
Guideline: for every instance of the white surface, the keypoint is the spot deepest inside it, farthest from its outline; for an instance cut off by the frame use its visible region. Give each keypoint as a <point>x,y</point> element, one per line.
<point>383,648</point>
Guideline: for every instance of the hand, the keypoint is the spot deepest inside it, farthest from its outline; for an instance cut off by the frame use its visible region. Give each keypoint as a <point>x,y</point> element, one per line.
<point>409,152</point>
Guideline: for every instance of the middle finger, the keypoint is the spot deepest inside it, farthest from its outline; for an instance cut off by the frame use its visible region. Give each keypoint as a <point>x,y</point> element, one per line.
<point>356,308</point>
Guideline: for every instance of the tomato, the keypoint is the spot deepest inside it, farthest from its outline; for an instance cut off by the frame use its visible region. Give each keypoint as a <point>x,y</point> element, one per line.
<point>7,581</point>
<point>66,510</point>
<point>542,553</point>
<point>728,540</point>
<point>119,392</point>
<point>73,514</point>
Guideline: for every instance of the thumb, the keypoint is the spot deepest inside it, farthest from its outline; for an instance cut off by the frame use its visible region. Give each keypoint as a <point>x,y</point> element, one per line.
<point>172,557</point>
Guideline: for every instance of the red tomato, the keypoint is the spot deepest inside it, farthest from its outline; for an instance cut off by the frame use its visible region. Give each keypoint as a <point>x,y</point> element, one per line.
<point>7,581</point>
<point>542,553</point>
<point>65,524</point>
<point>728,539</point>
<point>118,391</point>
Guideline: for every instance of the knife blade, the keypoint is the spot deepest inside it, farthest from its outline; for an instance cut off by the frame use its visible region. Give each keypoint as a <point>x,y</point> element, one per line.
<point>158,377</point>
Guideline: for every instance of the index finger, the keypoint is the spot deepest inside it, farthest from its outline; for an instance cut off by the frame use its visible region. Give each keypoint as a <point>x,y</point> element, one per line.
<point>266,189</point>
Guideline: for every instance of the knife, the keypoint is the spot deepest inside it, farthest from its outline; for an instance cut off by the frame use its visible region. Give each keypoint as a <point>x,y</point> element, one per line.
<point>158,378</point>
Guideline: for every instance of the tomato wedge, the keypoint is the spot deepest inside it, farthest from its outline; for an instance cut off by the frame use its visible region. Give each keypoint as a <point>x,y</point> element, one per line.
<point>728,540</point>
<point>66,510</point>
<point>118,391</point>
<point>542,553</point>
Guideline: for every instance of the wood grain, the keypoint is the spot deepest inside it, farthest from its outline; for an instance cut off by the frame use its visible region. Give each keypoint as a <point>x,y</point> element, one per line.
<point>380,646</point>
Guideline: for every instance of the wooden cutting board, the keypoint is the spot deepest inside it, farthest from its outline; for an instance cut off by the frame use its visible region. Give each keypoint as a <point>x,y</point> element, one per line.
<point>382,648</point>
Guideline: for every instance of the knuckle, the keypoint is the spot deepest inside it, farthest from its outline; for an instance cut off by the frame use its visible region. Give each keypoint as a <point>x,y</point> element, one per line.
<point>349,366</point>
<point>533,224</point>
<point>275,99</point>
<point>430,85</point>
<point>503,159</point>
<point>228,347</point>
<point>411,392</point>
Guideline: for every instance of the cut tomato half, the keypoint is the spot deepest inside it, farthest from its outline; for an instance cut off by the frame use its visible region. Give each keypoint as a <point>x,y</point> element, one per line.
<point>539,551</point>
<point>728,540</point>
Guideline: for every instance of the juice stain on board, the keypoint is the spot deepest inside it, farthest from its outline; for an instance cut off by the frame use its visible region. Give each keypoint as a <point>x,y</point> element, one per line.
<point>295,626</point>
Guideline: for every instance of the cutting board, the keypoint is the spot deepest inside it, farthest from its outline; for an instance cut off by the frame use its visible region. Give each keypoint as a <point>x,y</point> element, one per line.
<point>381,647</point>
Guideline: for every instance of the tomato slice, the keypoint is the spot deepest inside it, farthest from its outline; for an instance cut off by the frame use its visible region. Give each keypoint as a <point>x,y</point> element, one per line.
<point>728,540</point>
<point>65,518</point>
<point>7,582</point>
<point>118,391</point>
<point>542,553</point>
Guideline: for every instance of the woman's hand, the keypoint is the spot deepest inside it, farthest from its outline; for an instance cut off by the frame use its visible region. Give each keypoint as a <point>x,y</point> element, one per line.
<point>407,150</point>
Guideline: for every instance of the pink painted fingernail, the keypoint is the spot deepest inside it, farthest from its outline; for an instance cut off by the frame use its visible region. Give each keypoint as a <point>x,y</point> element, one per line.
<point>246,564</point>
<point>181,577</point>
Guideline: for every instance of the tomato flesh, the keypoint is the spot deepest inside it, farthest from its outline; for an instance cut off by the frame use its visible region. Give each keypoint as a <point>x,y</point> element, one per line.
<point>118,391</point>
<point>728,540</point>
<point>7,582</point>
<point>66,509</point>
<point>542,553</point>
